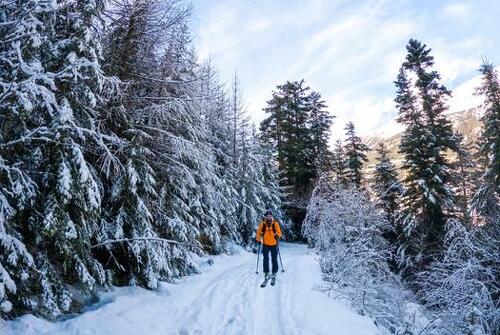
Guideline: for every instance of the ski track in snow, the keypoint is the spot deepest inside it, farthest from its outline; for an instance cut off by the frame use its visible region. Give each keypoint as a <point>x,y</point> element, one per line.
<point>226,299</point>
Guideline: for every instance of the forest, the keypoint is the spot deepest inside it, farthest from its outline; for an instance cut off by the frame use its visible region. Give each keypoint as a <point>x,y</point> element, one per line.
<point>124,157</point>
<point>121,155</point>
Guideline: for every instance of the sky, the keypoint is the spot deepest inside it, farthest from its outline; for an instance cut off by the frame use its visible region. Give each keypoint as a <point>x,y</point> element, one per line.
<point>349,51</point>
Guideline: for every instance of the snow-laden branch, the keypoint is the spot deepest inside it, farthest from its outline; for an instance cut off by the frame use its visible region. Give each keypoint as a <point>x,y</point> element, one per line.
<point>151,239</point>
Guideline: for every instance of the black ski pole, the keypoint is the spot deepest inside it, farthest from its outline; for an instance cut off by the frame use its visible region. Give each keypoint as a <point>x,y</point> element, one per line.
<point>258,254</point>
<point>279,254</point>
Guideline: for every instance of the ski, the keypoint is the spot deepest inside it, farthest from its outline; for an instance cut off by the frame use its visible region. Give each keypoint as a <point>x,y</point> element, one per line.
<point>264,283</point>
<point>273,281</point>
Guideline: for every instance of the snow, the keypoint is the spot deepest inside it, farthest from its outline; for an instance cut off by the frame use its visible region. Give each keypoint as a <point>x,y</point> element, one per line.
<point>387,130</point>
<point>225,299</point>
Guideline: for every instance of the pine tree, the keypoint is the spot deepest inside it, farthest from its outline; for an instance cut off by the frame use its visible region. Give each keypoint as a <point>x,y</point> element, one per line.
<point>428,199</point>
<point>388,191</point>
<point>486,200</point>
<point>339,163</point>
<point>386,185</point>
<point>54,137</point>
<point>320,122</point>
<point>22,35</point>
<point>355,151</point>
<point>116,169</point>
<point>296,130</point>
<point>239,119</point>
<point>286,131</point>
<point>464,173</point>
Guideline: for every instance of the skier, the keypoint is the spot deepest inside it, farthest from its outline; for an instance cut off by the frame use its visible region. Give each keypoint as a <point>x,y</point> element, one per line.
<point>268,233</point>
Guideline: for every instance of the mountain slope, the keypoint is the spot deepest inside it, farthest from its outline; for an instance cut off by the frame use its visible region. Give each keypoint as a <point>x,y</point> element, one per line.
<point>226,299</point>
<point>466,122</point>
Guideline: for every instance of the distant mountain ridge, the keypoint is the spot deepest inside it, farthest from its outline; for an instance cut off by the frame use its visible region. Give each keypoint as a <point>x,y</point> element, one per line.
<point>467,122</point>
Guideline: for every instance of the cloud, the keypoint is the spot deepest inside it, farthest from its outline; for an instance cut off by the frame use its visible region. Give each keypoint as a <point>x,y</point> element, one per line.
<point>348,51</point>
<point>463,96</point>
<point>456,10</point>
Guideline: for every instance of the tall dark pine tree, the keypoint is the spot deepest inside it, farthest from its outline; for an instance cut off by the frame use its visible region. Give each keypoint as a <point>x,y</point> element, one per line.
<point>320,122</point>
<point>486,201</point>
<point>355,151</point>
<point>428,199</point>
<point>296,130</point>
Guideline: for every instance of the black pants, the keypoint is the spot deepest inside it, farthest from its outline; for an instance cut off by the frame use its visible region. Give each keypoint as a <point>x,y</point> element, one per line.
<point>266,249</point>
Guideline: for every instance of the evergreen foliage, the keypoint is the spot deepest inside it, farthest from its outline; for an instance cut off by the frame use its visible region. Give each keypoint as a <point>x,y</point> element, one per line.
<point>486,201</point>
<point>355,152</point>
<point>297,130</point>
<point>428,200</point>
<point>116,163</point>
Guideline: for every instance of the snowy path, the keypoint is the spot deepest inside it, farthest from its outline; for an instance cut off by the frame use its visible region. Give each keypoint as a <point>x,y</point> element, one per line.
<point>226,299</point>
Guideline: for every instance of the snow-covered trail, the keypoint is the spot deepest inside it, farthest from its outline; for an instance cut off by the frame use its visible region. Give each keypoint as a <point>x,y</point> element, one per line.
<point>226,299</point>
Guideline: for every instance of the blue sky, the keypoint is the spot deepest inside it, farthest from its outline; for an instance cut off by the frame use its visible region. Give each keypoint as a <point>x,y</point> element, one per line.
<point>349,51</point>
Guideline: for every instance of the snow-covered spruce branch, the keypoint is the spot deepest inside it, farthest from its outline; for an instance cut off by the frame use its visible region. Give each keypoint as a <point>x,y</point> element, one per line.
<point>169,81</point>
<point>37,134</point>
<point>153,239</point>
<point>169,134</point>
<point>182,99</point>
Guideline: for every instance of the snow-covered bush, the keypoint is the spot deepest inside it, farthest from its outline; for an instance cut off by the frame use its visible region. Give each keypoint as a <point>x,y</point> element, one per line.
<point>462,286</point>
<point>346,229</point>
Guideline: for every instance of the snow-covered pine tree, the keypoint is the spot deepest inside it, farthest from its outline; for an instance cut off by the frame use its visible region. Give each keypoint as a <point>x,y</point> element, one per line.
<point>147,47</point>
<point>56,89</point>
<point>428,199</point>
<point>320,122</point>
<point>129,244</point>
<point>388,191</point>
<point>486,201</point>
<point>16,262</point>
<point>21,98</point>
<point>218,113</point>
<point>355,152</point>
<point>239,120</point>
<point>255,176</point>
<point>286,131</point>
<point>339,163</point>
<point>296,129</point>
<point>462,286</point>
<point>386,185</point>
<point>70,192</point>
<point>185,161</point>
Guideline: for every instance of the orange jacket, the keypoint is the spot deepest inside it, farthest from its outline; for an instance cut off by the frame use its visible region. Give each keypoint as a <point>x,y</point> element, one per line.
<point>269,234</point>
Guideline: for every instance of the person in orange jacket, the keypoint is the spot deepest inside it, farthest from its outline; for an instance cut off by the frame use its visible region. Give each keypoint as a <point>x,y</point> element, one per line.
<point>268,233</point>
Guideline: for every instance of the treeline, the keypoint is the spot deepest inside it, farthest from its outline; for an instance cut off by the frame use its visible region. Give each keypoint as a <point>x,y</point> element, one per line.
<point>121,156</point>
<point>427,235</point>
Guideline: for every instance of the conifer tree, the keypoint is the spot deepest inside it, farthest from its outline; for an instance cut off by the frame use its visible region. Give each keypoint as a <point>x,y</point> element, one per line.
<point>22,100</point>
<point>320,122</point>
<point>428,200</point>
<point>464,172</point>
<point>388,191</point>
<point>116,167</point>
<point>355,151</point>
<point>486,200</point>
<point>296,130</point>
<point>339,163</point>
<point>386,185</point>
